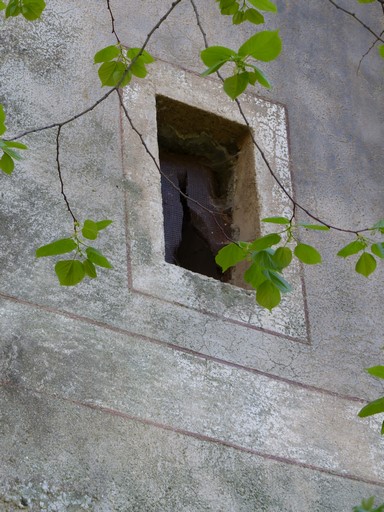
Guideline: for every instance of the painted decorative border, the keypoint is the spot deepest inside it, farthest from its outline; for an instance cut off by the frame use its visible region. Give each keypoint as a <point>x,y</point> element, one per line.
<point>149,273</point>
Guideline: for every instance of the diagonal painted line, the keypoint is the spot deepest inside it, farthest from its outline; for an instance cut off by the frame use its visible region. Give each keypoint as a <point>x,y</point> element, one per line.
<point>200,437</point>
<point>178,348</point>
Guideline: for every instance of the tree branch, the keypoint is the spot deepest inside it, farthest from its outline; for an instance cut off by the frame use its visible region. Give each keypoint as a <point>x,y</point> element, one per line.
<point>295,204</point>
<point>59,126</point>
<point>75,222</point>
<point>370,48</point>
<point>167,178</point>
<point>353,15</point>
<point>107,94</point>
<point>112,21</point>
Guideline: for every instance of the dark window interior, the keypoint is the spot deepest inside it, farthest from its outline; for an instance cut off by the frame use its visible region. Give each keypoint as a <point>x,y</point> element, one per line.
<point>192,234</point>
<point>198,158</point>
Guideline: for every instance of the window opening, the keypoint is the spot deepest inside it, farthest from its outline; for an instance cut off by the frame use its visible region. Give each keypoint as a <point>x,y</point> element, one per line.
<point>209,159</point>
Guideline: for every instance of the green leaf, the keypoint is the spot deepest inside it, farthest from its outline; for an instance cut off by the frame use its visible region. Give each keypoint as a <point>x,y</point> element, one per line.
<point>2,6</point>
<point>376,371</point>
<point>381,50</point>
<point>32,9</point>
<point>69,272</point>
<point>102,224</point>
<point>264,259</point>
<point>366,506</point>
<point>13,8</point>
<point>61,246</point>
<point>366,264</point>
<point>278,281</point>
<point>3,128</point>
<point>106,54</point>
<point>365,1</point>
<point>378,249</point>
<point>144,55</point>
<point>315,227</point>
<point>112,73</point>
<point>264,46</point>
<point>214,54</point>
<point>375,407</point>
<point>268,295</point>
<point>138,68</point>
<point>368,503</point>
<point>213,68</point>
<point>265,241</point>
<point>352,248</point>
<point>282,257</point>
<point>382,433</point>
<point>229,255</point>
<point>258,76</point>
<point>226,3</point>
<point>89,269</point>
<point>264,5</point>
<point>7,164</point>
<point>11,144</point>
<point>97,258</point>
<point>254,275</point>
<point>125,79</point>
<point>90,230</point>
<point>11,153</point>
<point>307,254</point>
<point>276,220</point>
<point>379,225</point>
<point>229,7</point>
<point>254,16</point>
<point>236,84</point>
<point>238,17</point>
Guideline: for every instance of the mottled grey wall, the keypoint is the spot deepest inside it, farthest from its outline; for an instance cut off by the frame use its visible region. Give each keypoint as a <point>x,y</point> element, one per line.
<point>118,400</point>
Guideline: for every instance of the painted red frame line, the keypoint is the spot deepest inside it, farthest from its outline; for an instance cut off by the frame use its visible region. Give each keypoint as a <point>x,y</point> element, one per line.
<point>199,437</point>
<point>131,286</point>
<point>179,348</point>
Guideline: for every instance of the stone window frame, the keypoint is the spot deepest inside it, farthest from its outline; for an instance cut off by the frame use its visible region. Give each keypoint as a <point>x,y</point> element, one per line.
<point>148,272</point>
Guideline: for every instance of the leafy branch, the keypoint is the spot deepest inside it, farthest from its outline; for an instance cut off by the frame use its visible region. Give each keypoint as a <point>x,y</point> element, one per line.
<point>118,63</point>
<point>128,62</point>
<point>30,9</point>
<point>267,262</point>
<point>376,406</point>
<point>264,46</point>
<point>85,257</point>
<point>379,37</point>
<point>241,11</point>
<point>261,273</point>
<point>7,147</point>
<point>368,505</point>
<point>190,199</point>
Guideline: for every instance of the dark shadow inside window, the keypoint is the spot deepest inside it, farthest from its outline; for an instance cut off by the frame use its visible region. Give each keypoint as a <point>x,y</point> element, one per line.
<point>202,172</point>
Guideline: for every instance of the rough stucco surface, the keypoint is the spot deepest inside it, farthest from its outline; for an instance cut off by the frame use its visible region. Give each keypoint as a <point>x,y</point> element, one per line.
<point>115,400</point>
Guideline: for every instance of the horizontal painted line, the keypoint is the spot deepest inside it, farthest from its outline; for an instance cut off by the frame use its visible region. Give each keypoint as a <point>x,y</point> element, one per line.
<point>178,348</point>
<point>227,319</point>
<point>200,437</point>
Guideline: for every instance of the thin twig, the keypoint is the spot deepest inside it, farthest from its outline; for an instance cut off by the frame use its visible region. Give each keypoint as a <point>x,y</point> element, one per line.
<point>107,94</point>
<point>199,23</point>
<point>59,126</point>
<point>167,178</point>
<point>290,197</point>
<point>61,177</point>
<point>353,15</point>
<point>112,21</point>
<point>369,49</point>
<point>67,121</point>
<point>295,204</point>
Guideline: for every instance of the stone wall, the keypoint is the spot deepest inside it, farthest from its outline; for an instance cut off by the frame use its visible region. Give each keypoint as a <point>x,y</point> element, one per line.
<point>153,388</point>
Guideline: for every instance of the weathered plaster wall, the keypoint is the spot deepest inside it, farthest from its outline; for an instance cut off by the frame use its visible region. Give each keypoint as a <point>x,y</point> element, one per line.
<point>116,400</point>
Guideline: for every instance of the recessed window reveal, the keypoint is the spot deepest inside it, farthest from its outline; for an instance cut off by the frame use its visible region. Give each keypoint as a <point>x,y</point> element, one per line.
<point>210,160</point>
